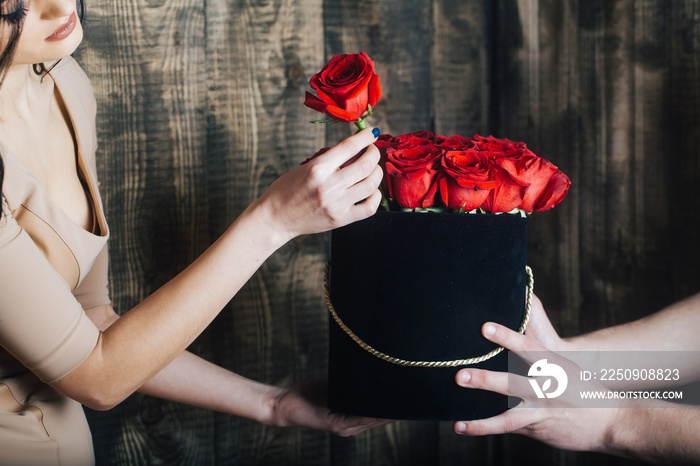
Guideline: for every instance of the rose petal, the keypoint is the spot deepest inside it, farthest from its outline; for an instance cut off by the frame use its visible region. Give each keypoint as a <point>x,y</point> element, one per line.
<point>315,103</point>
<point>342,115</point>
<point>375,90</point>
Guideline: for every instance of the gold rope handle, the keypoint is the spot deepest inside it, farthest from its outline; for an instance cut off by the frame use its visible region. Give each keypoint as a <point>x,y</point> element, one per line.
<point>404,362</point>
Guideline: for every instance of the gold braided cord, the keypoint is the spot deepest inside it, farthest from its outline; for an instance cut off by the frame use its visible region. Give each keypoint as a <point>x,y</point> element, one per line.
<point>404,362</point>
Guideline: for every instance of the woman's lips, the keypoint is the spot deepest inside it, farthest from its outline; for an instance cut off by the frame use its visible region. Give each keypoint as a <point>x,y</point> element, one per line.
<point>64,30</point>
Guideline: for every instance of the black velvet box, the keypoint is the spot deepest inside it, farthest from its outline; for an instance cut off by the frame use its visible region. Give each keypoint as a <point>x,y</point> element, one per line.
<point>418,287</point>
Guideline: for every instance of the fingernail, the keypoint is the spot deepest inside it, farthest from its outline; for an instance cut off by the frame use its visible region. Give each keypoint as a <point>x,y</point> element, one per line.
<point>489,329</point>
<point>375,132</point>
<point>465,377</point>
<point>461,427</point>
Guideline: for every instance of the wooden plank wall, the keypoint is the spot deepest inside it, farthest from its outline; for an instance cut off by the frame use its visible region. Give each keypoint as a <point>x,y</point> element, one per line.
<point>200,109</point>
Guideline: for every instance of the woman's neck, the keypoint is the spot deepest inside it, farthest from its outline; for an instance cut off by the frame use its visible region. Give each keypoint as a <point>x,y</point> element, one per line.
<point>25,95</point>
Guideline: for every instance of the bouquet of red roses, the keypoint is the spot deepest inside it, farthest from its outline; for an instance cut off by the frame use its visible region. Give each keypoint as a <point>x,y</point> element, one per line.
<point>424,171</point>
<point>428,171</point>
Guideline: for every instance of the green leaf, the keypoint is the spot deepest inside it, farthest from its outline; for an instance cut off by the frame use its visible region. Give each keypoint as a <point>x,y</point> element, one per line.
<point>436,209</point>
<point>385,203</point>
<point>327,122</point>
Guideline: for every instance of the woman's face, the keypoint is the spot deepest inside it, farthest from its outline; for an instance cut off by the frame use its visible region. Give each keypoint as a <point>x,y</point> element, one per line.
<point>51,30</point>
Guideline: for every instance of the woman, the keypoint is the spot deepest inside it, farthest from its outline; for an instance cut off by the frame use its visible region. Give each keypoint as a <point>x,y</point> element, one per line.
<point>61,342</point>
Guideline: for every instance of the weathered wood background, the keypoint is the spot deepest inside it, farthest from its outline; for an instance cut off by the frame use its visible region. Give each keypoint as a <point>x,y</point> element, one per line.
<point>200,109</point>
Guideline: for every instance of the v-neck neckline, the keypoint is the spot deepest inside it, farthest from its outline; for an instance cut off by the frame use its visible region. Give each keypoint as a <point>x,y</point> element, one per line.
<point>99,224</point>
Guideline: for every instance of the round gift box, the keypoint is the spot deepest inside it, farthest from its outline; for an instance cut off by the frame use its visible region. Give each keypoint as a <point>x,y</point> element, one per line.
<point>418,287</point>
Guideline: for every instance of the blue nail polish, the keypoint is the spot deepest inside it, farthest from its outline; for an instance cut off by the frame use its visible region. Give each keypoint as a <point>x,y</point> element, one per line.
<point>375,132</point>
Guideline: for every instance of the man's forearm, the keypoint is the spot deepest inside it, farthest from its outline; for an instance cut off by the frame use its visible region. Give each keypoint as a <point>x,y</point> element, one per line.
<point>664,434</point>
<point>674,328</point>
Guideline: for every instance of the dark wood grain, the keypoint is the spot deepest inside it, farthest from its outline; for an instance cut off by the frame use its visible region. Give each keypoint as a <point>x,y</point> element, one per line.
<point>593,86</point>
<point>200,109</point>
<point>152,162</point>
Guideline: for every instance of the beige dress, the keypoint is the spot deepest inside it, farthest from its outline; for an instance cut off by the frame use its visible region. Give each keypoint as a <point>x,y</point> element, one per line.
<point>50,271</point>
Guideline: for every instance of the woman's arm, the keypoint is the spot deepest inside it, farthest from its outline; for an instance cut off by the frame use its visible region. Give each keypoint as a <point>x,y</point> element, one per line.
<point>192,380</point>
<point>315,197</point>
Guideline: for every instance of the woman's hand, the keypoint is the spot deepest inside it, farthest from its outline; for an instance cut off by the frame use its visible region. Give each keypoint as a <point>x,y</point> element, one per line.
<point>303,405</point>
<point>327,192</point>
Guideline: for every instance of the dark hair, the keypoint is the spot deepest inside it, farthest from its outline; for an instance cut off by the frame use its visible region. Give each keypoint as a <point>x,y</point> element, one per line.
<point>2,176</point>
<point>12,13</point>
<point>14,18</point>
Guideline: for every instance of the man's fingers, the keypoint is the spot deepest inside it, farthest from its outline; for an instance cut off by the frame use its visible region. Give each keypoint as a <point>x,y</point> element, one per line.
<point>512,340</point>
<point>498,382</point>
<point>485,380</point>
<point>511,421</point>
<point>526,348</point>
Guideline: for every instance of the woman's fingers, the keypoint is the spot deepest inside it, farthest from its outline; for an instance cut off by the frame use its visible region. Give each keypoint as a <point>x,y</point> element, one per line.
<point>365,186</point>
<point>357,184</point>
<point>360,169</point>
<point>331,189</point>
<point>348,426</point>
<point>348,148</point>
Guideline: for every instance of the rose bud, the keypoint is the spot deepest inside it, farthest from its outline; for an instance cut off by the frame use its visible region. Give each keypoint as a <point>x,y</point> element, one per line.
<point>346,88</point>
<point>545,185</point>
<point>412,175</point>
<point>468,182</point>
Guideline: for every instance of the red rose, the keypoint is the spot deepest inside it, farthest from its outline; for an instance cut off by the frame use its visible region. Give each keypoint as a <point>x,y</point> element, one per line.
<point>468,181</point>
<point>417,137</point>
<point>554,192</point>
<point>385,140</point>
<point>508,195</point>
<point>425,137</point>
<point>458,143</point>
<point>345,87</point>
<point>492,144</point>
<point>545,184</point>
<point>412,175</point>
